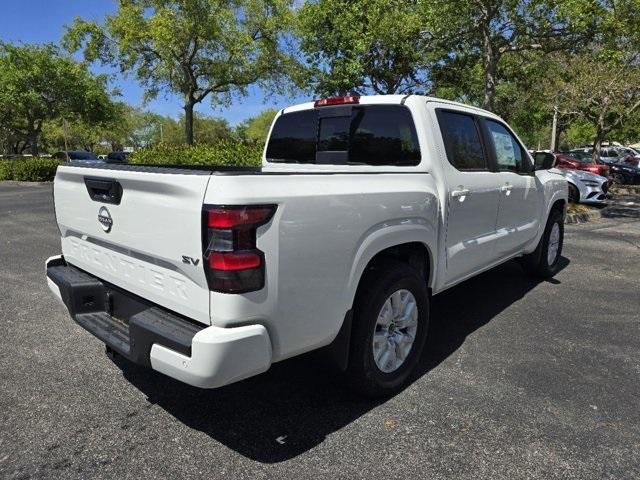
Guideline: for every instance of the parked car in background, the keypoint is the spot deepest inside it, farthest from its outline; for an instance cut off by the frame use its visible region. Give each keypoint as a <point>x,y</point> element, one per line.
<point>630,154</point>
<point>625,173</point>
<point>635,151</point>
<point>117,157</point>
<point>584,186</point>
<point>616,155</point>
<point>611,154</point>
<point>622,162</point>
<point>579,162</point>
<point>76,156</point>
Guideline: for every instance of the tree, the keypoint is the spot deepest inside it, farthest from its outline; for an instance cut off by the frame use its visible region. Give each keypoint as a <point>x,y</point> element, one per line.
<point>478,34</point>
<point>206,130</point>
<point>363,45</point>
<point>39,85</point>
<point>139,129</point>
<point>256,129</point>
<point>601,90</point>
<point>70,133</point>
<point>73,132</point>
<point>528,91</point>
<point>194,48</point>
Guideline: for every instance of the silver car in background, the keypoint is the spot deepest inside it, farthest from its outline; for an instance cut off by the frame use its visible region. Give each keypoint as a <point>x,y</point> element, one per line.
<point>585,187</point>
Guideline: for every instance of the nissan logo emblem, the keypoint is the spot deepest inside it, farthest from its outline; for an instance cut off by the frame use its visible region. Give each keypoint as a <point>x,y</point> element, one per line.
<point>104,217</point>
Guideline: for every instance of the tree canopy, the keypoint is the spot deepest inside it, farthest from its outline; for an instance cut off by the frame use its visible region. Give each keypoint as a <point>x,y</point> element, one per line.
<point>537,63</point>
<point>355,46</point>
<point>39,84</point>
<point>600,91</point>
<point>256,129</point>
<point>196,48</point>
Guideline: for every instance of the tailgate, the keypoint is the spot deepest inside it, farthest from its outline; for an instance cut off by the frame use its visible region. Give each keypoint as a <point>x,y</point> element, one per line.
<point>139,228</point>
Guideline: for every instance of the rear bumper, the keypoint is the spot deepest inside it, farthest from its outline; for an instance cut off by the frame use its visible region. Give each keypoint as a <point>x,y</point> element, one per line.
<point>149,335</point>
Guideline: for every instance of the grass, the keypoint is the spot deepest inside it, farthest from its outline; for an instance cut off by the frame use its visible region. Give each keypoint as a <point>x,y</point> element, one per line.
<point>579,208</point>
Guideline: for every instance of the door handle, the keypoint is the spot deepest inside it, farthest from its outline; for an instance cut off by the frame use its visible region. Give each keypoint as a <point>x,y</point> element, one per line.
<point>506,188</point>
<point>104,190</point>
<point>463,192</point>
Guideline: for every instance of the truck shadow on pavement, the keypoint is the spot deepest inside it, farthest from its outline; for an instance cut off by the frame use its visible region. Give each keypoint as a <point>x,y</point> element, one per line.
<point>291,408</point>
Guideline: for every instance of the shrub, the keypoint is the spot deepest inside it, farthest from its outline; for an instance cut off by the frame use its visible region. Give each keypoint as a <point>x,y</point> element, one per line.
<point>28,169</point>
<point>223,153</point>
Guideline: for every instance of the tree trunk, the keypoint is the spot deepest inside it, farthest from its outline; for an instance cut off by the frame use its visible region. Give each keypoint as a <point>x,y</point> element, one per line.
<point>188,121</point>
<point>601,131</point>
<point>490,61</point>
<point>554,130</point>
<point>33,140</point>
<point>597,143</point>
<point>562,128</point>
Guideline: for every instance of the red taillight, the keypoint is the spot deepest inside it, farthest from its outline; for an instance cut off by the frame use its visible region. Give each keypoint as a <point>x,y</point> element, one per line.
<point>344,100</point>
<point>233,262</point>
<point>230,261</point>
<point>221,217</point>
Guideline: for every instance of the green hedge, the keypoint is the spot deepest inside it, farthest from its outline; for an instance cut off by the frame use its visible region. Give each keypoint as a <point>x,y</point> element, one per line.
<point>225,153</point>
<point>28,169</point>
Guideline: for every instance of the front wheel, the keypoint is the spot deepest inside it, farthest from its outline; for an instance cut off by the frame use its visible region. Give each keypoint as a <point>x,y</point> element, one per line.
<point>391,315</point>
<point>544,261</point>
<point>620,179</point>
<point>574,194</point>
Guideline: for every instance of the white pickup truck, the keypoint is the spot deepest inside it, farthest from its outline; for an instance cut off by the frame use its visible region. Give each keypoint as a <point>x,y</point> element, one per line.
<point>364,208</point>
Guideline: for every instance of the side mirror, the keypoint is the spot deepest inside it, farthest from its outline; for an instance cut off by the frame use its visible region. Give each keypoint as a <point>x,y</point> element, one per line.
<point>543,161</point>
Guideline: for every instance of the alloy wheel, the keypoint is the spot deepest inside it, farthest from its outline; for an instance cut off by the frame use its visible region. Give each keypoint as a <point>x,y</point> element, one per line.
<point>395,330</point>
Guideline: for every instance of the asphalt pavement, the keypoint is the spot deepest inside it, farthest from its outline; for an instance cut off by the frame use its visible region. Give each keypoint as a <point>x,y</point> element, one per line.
<point>520,379</point>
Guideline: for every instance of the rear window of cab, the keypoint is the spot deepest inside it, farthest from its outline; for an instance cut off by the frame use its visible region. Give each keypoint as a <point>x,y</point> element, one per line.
<point>346,134</point>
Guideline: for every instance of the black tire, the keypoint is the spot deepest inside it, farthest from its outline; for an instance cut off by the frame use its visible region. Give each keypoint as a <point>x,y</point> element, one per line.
<point>377,285</point>
<point>574,194</point>
<point>620,178</point>
<point>536,263</point>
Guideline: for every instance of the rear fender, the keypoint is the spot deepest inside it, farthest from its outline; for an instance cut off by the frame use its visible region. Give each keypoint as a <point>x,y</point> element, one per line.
<point>387,237</point>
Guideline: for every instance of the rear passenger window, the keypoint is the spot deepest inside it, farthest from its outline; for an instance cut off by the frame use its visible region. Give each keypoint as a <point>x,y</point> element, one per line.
<point>462,141</point>
<point>509,155</point>
<point>366,134</point>
<point>294,138</point>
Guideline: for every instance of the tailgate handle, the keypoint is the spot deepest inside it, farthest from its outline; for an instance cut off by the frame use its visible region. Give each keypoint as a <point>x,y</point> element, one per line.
<point>104,190</point>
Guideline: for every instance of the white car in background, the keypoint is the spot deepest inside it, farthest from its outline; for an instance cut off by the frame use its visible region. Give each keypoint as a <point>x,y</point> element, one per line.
<point>585,187</point>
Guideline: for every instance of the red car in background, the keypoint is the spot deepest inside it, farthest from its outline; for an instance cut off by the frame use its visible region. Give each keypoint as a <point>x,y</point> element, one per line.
<point>580,162</point>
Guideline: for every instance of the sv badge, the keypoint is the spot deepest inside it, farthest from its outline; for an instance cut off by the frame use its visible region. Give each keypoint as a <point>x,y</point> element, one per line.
<point>190,261</point>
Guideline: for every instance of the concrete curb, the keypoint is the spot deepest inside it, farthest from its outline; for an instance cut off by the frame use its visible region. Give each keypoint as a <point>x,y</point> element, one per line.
<point>23,184</point>
<point>574,218</point>
<point>626,190</point>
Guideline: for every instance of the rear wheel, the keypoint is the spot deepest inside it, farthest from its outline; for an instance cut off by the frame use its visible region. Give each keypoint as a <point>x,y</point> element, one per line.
<point>544,261</point>
<point>389,330</point>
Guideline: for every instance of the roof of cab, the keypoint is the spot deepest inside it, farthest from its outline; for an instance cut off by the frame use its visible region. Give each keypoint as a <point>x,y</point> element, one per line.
<point>391,99</point>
